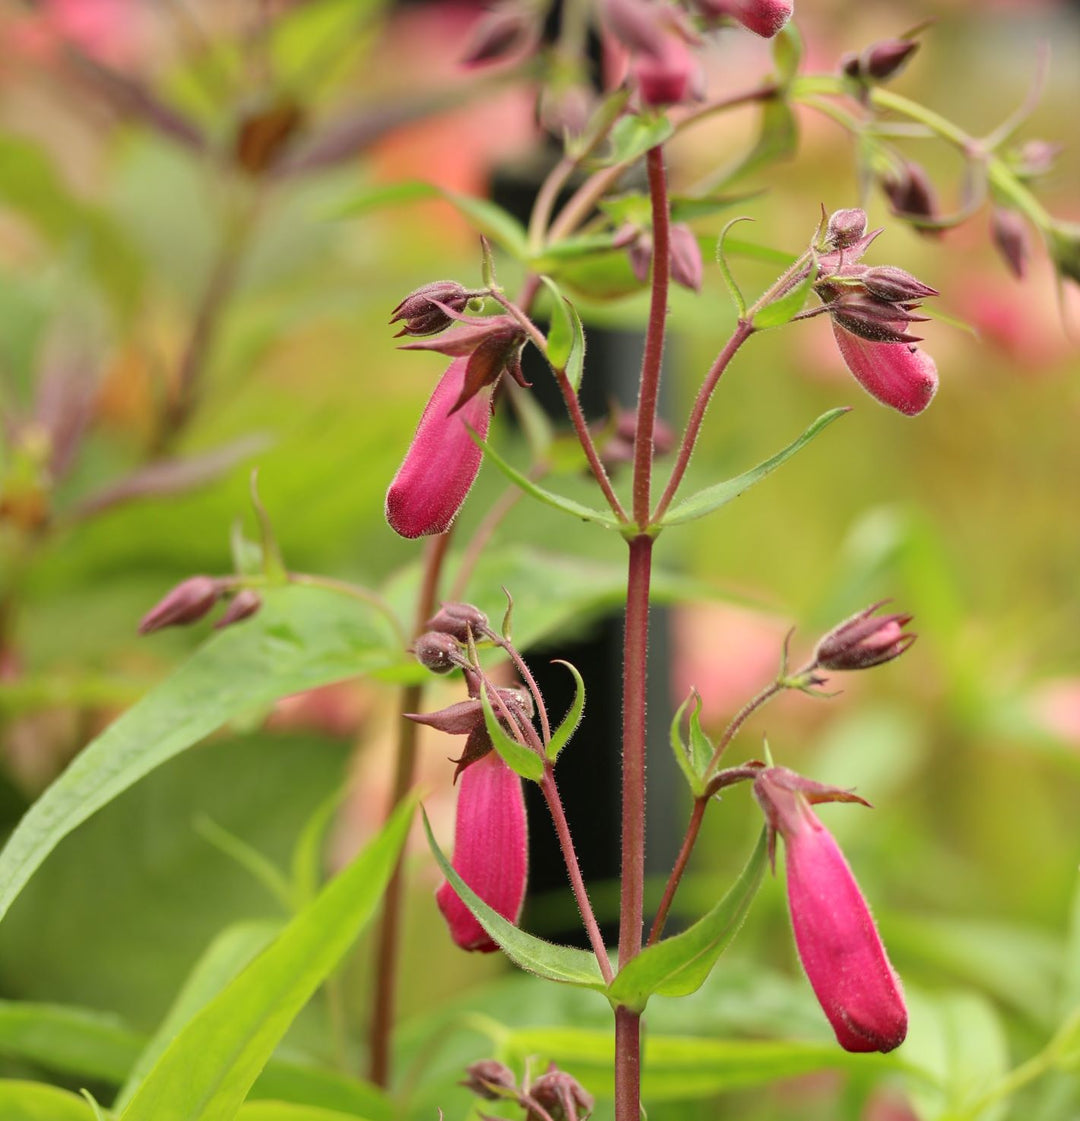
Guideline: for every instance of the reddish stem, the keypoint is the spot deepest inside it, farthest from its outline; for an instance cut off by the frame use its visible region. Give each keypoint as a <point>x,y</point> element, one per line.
<point>697,815</point>
<point>627,1064</point>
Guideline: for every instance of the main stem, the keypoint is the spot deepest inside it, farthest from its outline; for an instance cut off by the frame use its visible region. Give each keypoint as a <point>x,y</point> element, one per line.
<point>387,945</point>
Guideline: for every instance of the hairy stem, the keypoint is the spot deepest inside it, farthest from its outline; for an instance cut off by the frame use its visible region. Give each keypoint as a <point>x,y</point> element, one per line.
<point>697,815</point>
<point>627,1064</point>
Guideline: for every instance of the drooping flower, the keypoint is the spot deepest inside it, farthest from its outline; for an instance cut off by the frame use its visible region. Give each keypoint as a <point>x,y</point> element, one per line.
<point>490,850</point>
<point>898,374</point>
<point>838,943</point>
<point>763,17</point>
<point>659,39</point>
<point>442,462</point>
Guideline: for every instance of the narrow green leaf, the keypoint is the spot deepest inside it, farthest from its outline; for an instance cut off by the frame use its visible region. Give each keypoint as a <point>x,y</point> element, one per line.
<point>328,1089</point>
<point>307,859</point>
<point>712,498</point>
<point>725,270</point>
<point>34,1101</point>
<point>302,637</point>
<point>570,248</point>
<point>778,139</point>
<point>701,747</point>
<point>603,117</point>
<point>75,1041</point>
<point>678,966</point>
<point>684,208</point>
<point>520,759</point>
<point>290,1111</point>
<point>635,134</point>
<point>736,247</point>
<point>568,725</point>
<point>575,364</point>
<point>255,863</point>
<point>787,54</point>
<point>229,953</point>
<point>679,748</point>
<point>557,963</point>
<point>559,501</point>
<point>560,338</point>
<point>211,1065</point>
<point>781,311</point>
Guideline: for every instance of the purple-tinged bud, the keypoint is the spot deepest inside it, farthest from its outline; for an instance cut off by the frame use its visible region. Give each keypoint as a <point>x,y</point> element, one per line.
<point>1035,158</point>
<point>489,1079</point>
<point>242,606</point>
<point>442,462</point>
<point>864,640</point>
<point>880,61</point>
<point>619,449</point>
<point>763,17</point>
<point>888,282</point>
<point>438,652</point>
<point>490,850</point>
<point>455,720</point>
<point>187,603</point>
<point>911,194</point>
<point>640,253</point>
<point>561,1096</point>
<point>668,75</point>
<point>508,30</point>
<point>420,312</point>
<point>459,619</point>
<point>686,266</point>
<point>845,227</point>
<point>838,943</point>
<point>1011,239</point>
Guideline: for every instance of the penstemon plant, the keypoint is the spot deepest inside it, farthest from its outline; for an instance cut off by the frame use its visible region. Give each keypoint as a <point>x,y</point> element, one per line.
<point>589,236</point>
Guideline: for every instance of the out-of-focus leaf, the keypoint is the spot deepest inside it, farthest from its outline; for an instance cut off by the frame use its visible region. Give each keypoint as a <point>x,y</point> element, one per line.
<point>565,964</point>
<point>778,139</point>
<point>712,498</point>
<point>678,966</point>
<point>634,134</point>
<point>560,339</point>
<point>31,185</point>
<point>34,1101</point>
<point>301,638</point>
<point>207,1071</point>
<point>787,53</point>
<point>289,1111</point>
<point>680,1068</point>
<point>737,247</point>
<point>74,1041</point>
<point>599,276</point>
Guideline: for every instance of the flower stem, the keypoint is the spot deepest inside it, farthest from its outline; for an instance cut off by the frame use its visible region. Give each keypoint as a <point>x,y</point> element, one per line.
<point>627,1064</point>
<point>697,815</point>
<point>384,998</point>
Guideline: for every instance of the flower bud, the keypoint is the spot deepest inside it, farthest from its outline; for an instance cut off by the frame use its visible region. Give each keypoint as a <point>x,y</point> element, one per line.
<point>438,652</point>
<point>879,62</point>
<point>507,30</point>
<point>763,17</point>
<point>1034,158</point>
<point>420,312</point>
<point>459,619</point>
<point>489,1079</point>
<point>490,850</point>
<point>686,266</point>
<point>188,602</point>
<point>838,943</point>
<point>845,227</point>
<point>911,194</point>
<point>242,606</point>
<point>864,640</point>
<point>887,282</point>
<point>560,1095</point>
<point>1011,239</point>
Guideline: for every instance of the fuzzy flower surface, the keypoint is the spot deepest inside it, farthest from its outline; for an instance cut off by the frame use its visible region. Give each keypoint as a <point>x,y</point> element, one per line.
<point>838,943</point>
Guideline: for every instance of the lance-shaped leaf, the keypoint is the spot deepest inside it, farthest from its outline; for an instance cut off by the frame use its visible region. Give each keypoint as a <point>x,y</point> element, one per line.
<point>557,963</point>
<point>520,759</point>
<point>568,725</point>
<point>566,338</point>
<point>719,494</point>
<point>34,1101</point>
<point>784,309</point>
<point>208,1069</point>
<point>303,637</point>
<point>679,965</point>
<point>693,759</point>
<point>559,501</point>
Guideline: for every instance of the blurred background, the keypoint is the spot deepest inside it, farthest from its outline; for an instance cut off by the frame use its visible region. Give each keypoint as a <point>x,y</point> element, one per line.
<point>189,289</point>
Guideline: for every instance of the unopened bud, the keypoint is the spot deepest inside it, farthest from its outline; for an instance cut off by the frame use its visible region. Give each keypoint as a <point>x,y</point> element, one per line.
<point>188,602</point>
<point>242,606</point>
<point>561,1096</point>
<point>911,193</point>
<point>489,1079</point>
<point>845,227</point>
<point>420,313</point>
<point>864,641</point>
<point>458,619</point>
<point>505,31</point>
<point>1011,239</point>
<point>438,652</point>
<point>686,266</point>
<point>888,282</point>
<point>1035,158</point>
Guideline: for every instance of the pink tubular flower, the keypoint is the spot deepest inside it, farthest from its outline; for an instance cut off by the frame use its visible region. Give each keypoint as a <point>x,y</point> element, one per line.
<point>838,943</point>
<point>442,462</point>
<point>898,374</point>
<point>763,17</point>
<point>490,850</point>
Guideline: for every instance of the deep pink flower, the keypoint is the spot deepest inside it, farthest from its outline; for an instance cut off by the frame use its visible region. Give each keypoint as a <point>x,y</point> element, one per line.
<point>442,461</point>
<point>838,943</point>
<point>898,374</point>
<point>491,852</point>
<point>763,17</point>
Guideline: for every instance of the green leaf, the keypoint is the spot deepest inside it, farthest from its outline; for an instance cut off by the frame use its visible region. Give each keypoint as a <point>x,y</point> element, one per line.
<point>781,311</point>
<point>559,501</point>
<point>712,498</point>
<point>485,216</point>
<point>211,1065</point>
<point>701,747</point>
<point>787,54</point>
<point>307,858</point>
<point>75,1041</point>
<point>680,1067</point>
<point>725,270</point>
<point>519,758</point>
<point>289,1111</point>
<point>575,364</point>
<point>778,139</point>
<point>229,953</point>
<point>302,637</point>
<point>557,963</point>
<point>258,866</point>
<point>736,247</point>
<point>34,1101</point>
<point>568,725</point>
<point>678,966</point>
<point>634,134</point>
<point>680,750</point>
<point>685,208</point>
<point>560,338</point>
